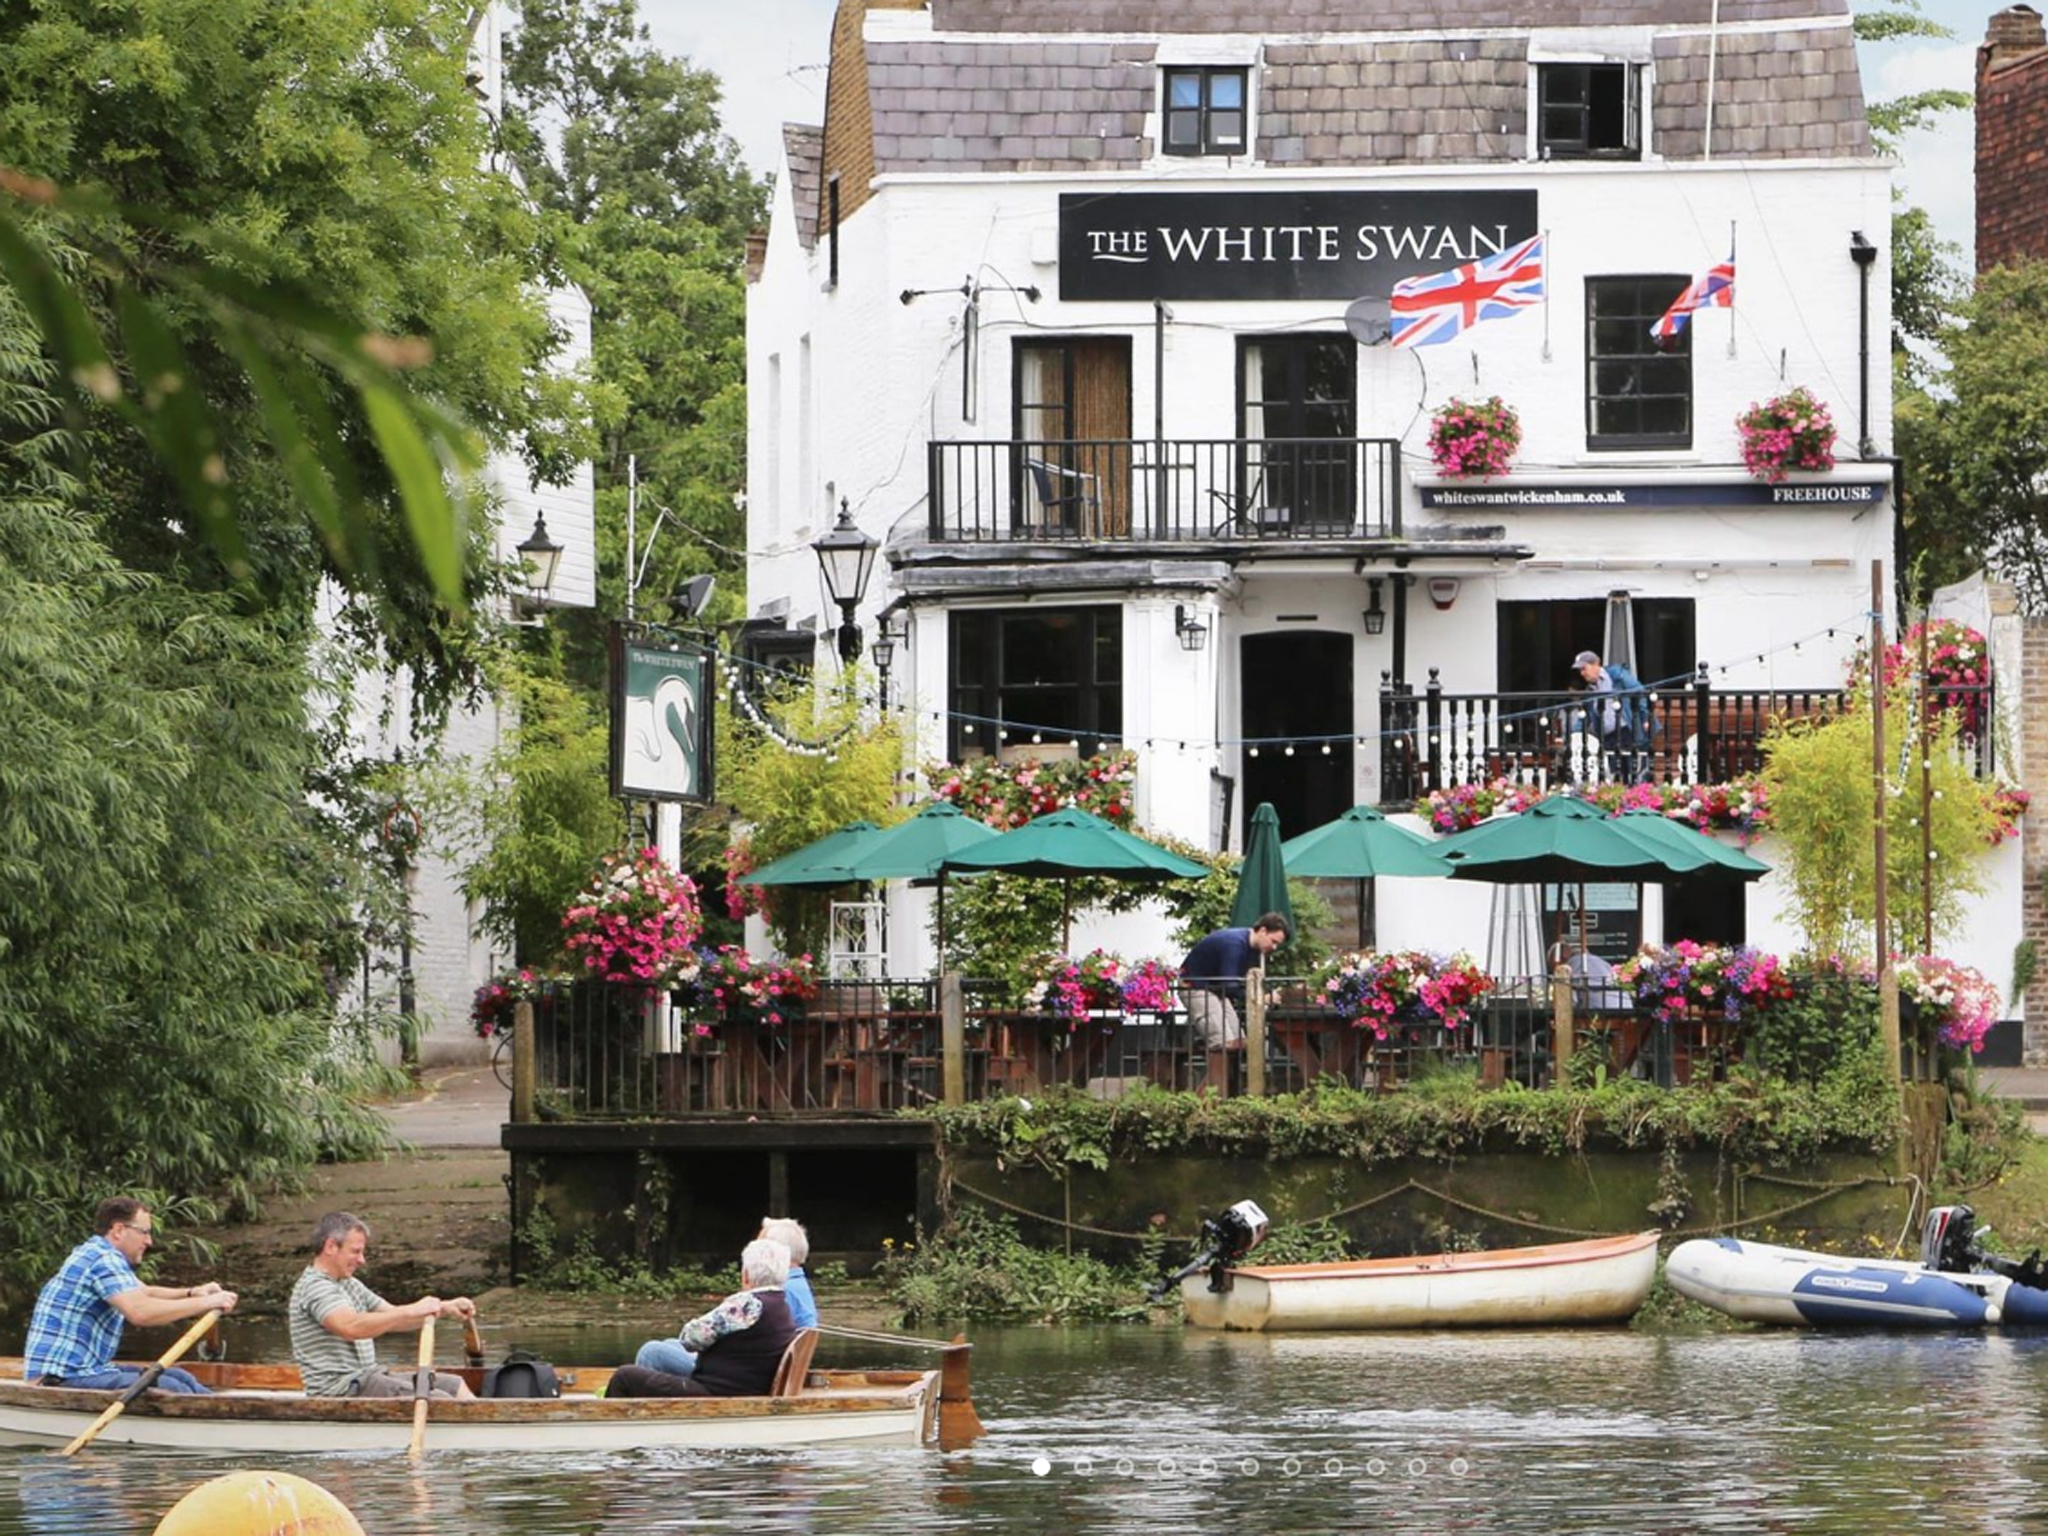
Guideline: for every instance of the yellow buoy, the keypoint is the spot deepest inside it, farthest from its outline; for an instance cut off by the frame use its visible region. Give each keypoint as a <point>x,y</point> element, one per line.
<point>259,1504</point>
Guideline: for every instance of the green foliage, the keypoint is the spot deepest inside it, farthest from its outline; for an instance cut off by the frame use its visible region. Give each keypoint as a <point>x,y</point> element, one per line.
<point>1304,1242</point>
<point>978,1267</point>
<point>2026,958</point>
<point>1818,777</point>
<point>791,798</point>
<point>545,811</point>
<point>1803,1037</point>
<point>1748,1116</point>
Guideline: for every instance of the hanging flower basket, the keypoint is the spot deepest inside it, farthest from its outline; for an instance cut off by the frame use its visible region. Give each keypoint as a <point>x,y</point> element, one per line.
<point>1787,432</point>
<point>635,922</point>
<point>1474,440</point>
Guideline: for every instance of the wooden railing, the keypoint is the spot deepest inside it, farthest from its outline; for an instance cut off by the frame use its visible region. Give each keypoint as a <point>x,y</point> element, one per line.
<point>1697,734</point>
<point>866,1048</point>
<point>1233,490</point>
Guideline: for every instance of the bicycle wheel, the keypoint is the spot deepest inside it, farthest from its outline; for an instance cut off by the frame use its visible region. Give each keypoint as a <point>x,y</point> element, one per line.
<point>501,1059</point>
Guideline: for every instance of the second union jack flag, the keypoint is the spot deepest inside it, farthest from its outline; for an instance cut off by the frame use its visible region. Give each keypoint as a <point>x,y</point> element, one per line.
<point>1438,307</point>
<point>1712,289</point>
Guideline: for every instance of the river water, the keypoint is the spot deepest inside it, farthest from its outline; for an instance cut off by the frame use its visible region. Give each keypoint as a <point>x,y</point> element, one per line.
<point>1150,1430</point>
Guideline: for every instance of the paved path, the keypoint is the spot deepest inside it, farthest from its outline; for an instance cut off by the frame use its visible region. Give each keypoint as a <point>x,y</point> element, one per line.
<point>455,1107</point>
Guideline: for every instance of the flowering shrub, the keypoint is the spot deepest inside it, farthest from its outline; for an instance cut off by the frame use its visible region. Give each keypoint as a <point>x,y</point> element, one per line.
<point>1374,990</point>
<point>1790,431</point>
<point>741,899</point>
<point>490,1009</point>
<point>2008,804</point>
<point>734,987</point>
<point>1467,805</point>
<point>1072,989</point>
<point>1732,981</point>
<point>1958,668</point>
<point>1963,1003</point>
<point>1007,795</point>
<point>635,922</point>
<point>1469,440</point>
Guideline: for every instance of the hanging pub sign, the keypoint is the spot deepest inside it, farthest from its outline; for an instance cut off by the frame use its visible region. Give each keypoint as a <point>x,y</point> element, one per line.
<point>1277,245</point>
<point>661,724</point>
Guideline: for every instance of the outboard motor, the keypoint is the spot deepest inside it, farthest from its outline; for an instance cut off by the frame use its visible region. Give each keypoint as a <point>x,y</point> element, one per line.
<point>1224,1240</point>
<point>1948,1240</point>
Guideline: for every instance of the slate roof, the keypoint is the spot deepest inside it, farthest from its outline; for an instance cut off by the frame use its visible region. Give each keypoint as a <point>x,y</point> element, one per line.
<point>804,145</point>
<point>959,102</point>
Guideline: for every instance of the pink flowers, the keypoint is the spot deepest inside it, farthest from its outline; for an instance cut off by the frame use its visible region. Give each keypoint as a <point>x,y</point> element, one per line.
<point>1962,1001</point>
<point>1731,981</point>
<point>1375,990</point>
<point>1791,431</point>
<point>1007,795</point>
<point>1474,441</point>
<point>635,922</point>
<point>1099,982</point>
<point>1467,805</point>
<point>735,986</point>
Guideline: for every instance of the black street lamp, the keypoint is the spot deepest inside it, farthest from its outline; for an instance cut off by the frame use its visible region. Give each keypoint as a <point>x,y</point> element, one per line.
<point>541,557</point>
<point>846,555</point>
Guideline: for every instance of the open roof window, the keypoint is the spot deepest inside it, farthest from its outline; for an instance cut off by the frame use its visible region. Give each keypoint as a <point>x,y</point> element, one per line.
<point>1589,111</point>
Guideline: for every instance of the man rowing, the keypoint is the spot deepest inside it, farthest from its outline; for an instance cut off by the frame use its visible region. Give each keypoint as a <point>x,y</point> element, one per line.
<point>335,1319</point>
<point>76,1329</point>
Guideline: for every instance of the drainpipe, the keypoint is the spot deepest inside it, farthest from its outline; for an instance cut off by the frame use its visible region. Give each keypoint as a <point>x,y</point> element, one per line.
<point>1863,253</point>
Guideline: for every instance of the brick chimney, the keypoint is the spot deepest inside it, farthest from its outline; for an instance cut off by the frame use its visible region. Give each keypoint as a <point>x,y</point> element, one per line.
<point>2013,33</point>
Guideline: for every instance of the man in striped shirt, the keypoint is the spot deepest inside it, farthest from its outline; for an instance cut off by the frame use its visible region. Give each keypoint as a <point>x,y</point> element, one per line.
<point>335,1317</point>
<point>76,1329</point>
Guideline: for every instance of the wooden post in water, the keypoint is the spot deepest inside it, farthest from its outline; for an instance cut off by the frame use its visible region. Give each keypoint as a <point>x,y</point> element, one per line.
<point>1562,1022</point>
<point>1255,1033</point>
<point>952,1039</point>
<point>522,1063</point>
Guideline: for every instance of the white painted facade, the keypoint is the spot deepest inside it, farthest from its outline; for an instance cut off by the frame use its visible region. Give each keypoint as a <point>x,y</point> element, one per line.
<point>849,383</point>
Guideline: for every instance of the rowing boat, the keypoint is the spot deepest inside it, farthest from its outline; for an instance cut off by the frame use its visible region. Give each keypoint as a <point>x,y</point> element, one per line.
<point>1601,1280</point>
<point>261,1409</point>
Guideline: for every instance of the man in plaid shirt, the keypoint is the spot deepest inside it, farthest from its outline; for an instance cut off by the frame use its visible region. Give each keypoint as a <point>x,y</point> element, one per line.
<point>77,1324</point>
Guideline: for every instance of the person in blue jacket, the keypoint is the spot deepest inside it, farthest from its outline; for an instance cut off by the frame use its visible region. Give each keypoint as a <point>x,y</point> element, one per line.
<point>1212,976</point>
<point>803,1306</point>
<point>1622,714</point>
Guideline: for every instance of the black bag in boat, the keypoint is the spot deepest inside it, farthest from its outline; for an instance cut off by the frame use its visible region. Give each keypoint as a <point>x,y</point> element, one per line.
<point>522,1375</point>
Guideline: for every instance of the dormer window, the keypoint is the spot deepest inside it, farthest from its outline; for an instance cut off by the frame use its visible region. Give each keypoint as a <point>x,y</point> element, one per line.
<point>1205,111</point>
<point>1589,111</point>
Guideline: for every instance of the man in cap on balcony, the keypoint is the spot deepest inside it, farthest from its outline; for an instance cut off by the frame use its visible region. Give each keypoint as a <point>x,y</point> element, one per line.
<point>1622,713</point>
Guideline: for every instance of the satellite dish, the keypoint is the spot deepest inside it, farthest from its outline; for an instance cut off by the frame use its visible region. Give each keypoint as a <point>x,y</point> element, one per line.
<point>1369,320</point>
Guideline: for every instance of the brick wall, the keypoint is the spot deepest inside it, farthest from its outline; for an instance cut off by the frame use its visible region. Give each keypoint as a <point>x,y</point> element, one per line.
<point>2033,777</point>
<point>2012,140</point>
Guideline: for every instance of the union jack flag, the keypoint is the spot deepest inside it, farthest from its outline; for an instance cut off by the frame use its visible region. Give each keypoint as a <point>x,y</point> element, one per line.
<point>1427,310</point>
<point>1712,289</point>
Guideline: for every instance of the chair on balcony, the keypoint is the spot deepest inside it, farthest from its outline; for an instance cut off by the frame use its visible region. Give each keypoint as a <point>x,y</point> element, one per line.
<point>1244,515</point>
<point>1067,500</point>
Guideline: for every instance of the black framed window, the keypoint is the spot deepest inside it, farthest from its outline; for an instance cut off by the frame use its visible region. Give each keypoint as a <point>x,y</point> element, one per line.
<point>1205,111</point>
<point>1589,111</point>
<point>768,646</point>
<point>1053,673</point>
<point>1638,391</point>
<point>1535,641</point>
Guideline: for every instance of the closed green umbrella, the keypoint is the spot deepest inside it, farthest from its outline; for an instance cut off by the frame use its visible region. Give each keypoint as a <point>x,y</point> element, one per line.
<point>1063,844</point>
<point>1262,881</point>
<point>917,849</point>
<point>1362,845</point>
<point>822,863</point>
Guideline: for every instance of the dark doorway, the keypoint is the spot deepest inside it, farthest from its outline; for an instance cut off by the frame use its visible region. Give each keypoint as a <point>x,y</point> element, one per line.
<point>1296,688</point>
<point>1707,911</point>
<point>1536,641</point>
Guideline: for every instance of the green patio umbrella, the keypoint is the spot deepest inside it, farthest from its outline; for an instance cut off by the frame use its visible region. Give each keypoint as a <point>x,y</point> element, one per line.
<point>1262,880</point>
<point>1362,845</point>
<point>917,849</point>
<point>1063,844</point>
<point>1658,829</point>
<point>822,863</point>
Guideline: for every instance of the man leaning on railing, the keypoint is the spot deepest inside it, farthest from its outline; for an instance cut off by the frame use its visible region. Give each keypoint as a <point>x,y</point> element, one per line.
<point>1212,976</point>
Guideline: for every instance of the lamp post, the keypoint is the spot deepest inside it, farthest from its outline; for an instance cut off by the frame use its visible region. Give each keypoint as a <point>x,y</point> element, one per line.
<point>846,556</point>
<point>541,557</point>
<point>885,653</point>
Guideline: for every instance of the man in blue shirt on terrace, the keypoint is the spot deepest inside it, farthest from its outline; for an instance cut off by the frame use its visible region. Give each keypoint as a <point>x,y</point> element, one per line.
<point>1212,976</point>
<point>76,1329</point>
<point>1621,711</point>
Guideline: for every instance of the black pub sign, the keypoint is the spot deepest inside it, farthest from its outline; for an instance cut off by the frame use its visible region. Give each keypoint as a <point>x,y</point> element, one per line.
<point>1276,245</point>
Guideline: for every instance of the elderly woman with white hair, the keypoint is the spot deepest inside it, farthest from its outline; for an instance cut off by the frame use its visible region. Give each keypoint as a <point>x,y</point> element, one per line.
<point>803,1306</point>
<point>737,1344</point>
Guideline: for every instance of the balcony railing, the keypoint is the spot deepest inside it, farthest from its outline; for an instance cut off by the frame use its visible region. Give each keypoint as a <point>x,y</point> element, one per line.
<point>1178,489</point>
<point>1699,734</point>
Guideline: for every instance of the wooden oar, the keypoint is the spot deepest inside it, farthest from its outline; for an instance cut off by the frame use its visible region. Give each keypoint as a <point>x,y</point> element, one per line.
<point>422,1390</point>
<point>472,1343</point>
<point>143,1382</point>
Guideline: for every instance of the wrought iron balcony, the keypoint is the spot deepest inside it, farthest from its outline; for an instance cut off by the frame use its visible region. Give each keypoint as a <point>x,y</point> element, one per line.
<point>1698,734</point>
<point>1176,490</point>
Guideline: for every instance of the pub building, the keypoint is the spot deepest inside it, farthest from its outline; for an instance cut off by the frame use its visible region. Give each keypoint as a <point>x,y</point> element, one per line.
<point>1086,312</point>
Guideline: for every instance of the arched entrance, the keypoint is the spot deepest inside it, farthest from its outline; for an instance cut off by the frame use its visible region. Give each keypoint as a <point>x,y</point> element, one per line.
<point>1296,691</point>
